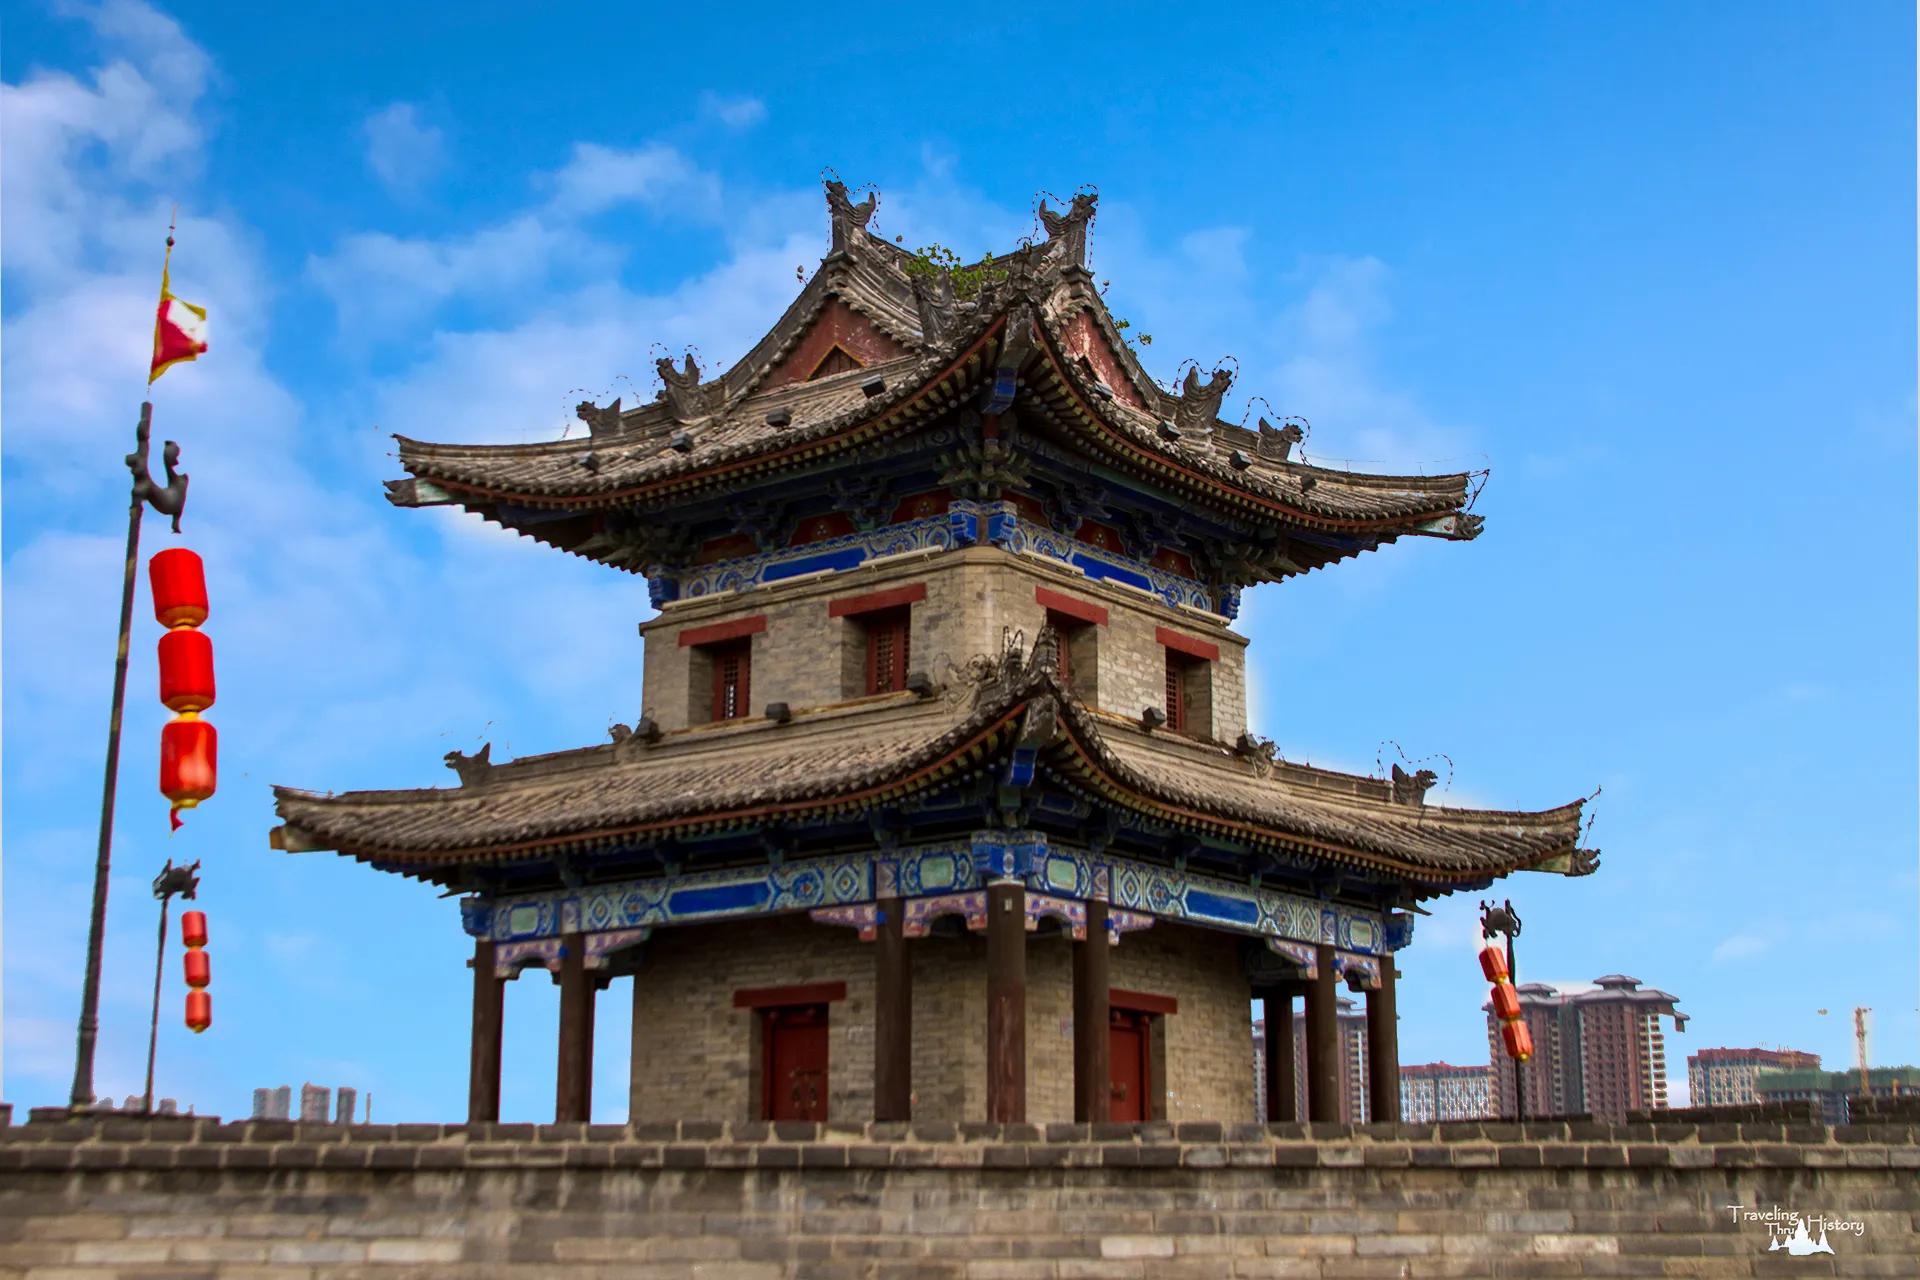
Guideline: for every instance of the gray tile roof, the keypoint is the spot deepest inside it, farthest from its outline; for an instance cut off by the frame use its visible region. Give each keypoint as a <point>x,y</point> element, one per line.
<point>649,454</point>
<point>855,757</point>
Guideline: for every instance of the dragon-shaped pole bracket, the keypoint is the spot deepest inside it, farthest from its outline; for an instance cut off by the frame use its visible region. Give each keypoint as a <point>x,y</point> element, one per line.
<point>169,499</point>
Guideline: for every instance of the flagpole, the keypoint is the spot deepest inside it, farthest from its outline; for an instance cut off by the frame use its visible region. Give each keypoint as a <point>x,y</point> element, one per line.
<point>168,499</point>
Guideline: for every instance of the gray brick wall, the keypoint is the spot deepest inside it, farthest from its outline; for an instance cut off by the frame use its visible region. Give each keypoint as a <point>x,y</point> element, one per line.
<point>280,1201</point>
<point>806,659</point>
<point>695,1055</point>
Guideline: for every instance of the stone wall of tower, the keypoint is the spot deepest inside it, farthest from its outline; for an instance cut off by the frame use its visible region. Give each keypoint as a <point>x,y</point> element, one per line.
<point>695,1055</point>
<point>807,658</point>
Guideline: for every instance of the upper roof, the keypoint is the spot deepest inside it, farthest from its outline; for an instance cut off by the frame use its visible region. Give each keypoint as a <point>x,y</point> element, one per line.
<point>865,756</point>
<point>1035,337</point>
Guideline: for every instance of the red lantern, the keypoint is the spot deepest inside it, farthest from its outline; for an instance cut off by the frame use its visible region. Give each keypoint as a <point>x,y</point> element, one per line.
<point>189,762</point>
<point>1518,1040</point>
<point>199,1011</point>
<point>193,928</point>
<point>186,670</point>
<point>1506,1002</point>
<point>1493,963</point>
<point>179,588</point>
<point>199,969</point>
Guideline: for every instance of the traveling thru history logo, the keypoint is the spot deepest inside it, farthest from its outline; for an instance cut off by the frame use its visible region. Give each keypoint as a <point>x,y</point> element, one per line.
<point>1798,1234</point>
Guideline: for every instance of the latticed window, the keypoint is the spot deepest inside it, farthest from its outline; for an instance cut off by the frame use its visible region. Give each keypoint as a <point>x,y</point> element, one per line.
<point>887,651</point>
<point>1176,692</point>
<point>732,671</point>
<point>1063,627</point>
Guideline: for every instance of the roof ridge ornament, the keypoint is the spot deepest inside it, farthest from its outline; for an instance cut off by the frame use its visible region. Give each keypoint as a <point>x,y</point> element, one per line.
<point>1067,233</point>
<point>683,392</point>
<point>474,770</point>
<point>1411,788</point>
<point>933,299</point>
<point>849,219</point>
<point>1276,444</point>
<point>1199,404</point>
<point>599,421</point>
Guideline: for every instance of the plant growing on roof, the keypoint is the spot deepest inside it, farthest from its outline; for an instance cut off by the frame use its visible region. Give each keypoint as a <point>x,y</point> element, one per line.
<point>938,260</point>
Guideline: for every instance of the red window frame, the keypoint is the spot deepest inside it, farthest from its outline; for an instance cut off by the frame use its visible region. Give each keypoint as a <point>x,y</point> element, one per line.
<point>732,678</point>
<point>1063,627</point>
<point>1177,691</point>
<point>889,649</point>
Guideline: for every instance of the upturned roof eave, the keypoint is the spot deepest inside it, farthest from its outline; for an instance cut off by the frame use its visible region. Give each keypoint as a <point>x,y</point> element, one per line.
<point>1105,432</point>
<point>1079,752</point>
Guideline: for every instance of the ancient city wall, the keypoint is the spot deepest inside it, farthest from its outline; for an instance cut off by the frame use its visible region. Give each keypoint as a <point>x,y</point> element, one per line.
<point>125,1198</point>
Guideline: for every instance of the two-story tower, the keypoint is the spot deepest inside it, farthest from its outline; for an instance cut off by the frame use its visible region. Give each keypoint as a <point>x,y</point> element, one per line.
<point>942,802</point>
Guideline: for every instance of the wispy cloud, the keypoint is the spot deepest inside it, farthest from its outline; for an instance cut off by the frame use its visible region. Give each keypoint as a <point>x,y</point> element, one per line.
<point>405,153</point>
<point>1741,946</point>
<point>736,113</point>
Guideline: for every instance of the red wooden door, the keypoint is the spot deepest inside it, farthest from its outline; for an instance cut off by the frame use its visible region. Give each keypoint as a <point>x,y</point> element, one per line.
<point>1128,1047</point>
<point>796,1063</point>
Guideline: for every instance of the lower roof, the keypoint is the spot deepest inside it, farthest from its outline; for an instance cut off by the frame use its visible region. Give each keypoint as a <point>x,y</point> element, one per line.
<point>857,758</point>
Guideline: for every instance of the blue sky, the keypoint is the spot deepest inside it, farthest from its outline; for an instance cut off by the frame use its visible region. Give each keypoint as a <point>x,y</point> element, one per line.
<point>1653,265</point>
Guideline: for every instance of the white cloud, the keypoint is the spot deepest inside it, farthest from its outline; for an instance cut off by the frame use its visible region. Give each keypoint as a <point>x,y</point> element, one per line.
<point>736,113</point>
<point>383,284</point>
<point>1741,946</point>
<point>1327,374</point>
<point>403,152</point>
<point>58,136</point>
<point>599,178</point>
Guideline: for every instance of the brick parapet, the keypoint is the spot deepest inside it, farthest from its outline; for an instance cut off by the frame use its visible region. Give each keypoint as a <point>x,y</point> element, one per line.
<point>113,1197</point>
<point>132,1143</point>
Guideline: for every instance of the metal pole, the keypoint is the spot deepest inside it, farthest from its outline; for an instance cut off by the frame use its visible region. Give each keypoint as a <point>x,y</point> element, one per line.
<point>97,925</point>
<point>153,1032</point>
<point>169,499</point>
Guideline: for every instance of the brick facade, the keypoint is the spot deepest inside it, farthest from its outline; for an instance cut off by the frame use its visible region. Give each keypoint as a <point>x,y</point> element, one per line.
<point>279,1201</point>
<point>808,659</point>
<point>696,1056</point>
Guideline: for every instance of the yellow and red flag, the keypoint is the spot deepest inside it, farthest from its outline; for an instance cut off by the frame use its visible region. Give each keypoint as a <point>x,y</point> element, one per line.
<point>179,328</point>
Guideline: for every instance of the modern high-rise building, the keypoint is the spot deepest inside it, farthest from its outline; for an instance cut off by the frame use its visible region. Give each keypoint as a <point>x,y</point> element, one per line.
<point>1353,1064</point>
<point>1439,1091</point>
<point>1724,1077</point>
<point>1599,1052</point>
<point>1831,1089</point>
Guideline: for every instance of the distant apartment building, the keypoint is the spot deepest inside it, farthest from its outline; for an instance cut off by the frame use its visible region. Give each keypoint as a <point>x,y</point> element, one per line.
<point>1724,1077</point>
<point>1831,1089</point>
<point>1353,1064</point>
<point>1599,1052</point>
<point>1437,1091</point>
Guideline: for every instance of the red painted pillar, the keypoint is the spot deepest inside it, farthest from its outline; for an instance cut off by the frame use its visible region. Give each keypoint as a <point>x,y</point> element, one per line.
<point>574,1078</point>
<point>1323,1042</point>
<point>1007,1002</point>
<point>1280,1078</point>
<point>1092,1041</point>
<point>489,1014</point>
<point>1383,1049</point>
<point>892,1015</point>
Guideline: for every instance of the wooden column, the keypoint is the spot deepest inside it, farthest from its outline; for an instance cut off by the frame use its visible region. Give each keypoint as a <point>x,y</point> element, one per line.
<point>489,1013</point>
<point>574,1079</point>
<point>892,1015</point>
<point>1383,1049</point>
<point>1092,1042</point>
<point>1007,1002</point>
<point>1323,1041</point>
<point>1280,1080</point>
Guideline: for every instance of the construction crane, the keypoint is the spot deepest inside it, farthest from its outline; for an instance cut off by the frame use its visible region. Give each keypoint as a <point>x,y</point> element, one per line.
<point>1860,1045</point>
